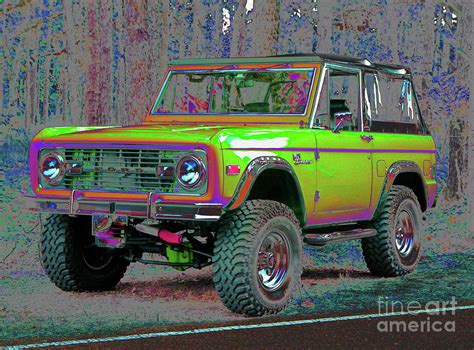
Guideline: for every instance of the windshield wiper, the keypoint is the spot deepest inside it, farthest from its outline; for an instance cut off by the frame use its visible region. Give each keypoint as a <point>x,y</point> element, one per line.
<point>235,67</point>
<point>280,65</point>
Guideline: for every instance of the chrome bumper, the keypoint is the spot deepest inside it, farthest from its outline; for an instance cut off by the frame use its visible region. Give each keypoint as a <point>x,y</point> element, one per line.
<point>76,205</point>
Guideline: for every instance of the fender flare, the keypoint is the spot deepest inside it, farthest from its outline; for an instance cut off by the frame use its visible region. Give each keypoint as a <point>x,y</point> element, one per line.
<point>250,175</point>
<point>393,171</point>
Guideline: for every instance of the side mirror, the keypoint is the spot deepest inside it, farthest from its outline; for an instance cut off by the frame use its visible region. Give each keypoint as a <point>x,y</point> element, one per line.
<point>341,118</point>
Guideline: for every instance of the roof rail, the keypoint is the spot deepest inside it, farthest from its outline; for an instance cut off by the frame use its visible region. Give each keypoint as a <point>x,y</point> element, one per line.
<point>392,68</point>
<point>300,57</point>
<point>331,57</point>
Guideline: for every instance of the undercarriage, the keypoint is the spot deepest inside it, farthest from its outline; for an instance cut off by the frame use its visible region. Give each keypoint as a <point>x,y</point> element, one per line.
<point>183,244</point>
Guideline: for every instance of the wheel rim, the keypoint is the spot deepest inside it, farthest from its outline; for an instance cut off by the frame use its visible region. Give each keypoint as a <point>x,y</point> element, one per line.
<point>94,257</point>
<point>273,261</point>
<point>405,233</point>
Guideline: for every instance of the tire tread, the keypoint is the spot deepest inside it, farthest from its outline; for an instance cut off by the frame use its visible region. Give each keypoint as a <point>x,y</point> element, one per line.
<point>59,258</point>
<point>231,255</point>
<point>378,251</point>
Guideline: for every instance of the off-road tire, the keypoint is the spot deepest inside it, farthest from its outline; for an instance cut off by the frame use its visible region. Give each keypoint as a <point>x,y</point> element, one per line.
<point>380,251</point>
<point>236,259</point>
<point>62,258</point>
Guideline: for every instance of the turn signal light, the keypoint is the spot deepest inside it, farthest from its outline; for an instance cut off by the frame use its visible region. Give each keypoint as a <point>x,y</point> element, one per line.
<point>232,169</point>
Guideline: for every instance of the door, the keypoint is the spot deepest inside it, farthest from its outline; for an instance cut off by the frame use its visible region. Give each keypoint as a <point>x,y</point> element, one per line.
<point>344,166</point>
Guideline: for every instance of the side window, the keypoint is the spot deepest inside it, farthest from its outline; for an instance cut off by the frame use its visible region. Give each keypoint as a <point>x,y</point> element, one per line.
<point>344,97</point>
<point>389,105</point>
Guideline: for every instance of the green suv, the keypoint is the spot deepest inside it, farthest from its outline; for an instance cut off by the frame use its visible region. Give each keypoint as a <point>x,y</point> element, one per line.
<point>237,164</point>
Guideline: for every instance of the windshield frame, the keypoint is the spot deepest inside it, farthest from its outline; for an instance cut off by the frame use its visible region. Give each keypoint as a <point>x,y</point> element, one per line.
<point>314,68</point>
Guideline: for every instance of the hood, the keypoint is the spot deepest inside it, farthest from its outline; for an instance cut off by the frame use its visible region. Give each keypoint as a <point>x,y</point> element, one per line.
<point>136,134</point>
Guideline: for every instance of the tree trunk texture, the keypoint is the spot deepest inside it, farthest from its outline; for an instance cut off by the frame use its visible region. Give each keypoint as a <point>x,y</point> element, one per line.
<point>99,62</point>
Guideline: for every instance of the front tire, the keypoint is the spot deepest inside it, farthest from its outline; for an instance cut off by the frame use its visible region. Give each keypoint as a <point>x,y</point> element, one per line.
<point>395,250</point>
<point>257,262</point>
<point>71,259</point>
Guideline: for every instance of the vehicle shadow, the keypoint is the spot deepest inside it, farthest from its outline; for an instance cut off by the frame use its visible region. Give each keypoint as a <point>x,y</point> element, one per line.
<point>171,288</point>
<point>325,273</point>
<point>201,287</point>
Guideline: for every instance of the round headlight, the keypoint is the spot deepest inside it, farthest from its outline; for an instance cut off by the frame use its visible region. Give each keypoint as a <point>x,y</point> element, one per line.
<point>190,171</point>
<point>52,168</point>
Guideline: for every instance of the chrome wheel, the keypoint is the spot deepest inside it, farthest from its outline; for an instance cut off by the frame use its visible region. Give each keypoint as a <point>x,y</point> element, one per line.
<point>273,261</point>
<point>405,232</point>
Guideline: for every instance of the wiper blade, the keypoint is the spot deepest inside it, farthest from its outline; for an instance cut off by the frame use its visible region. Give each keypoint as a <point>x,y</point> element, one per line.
<point>279,65</point>
<point>256,69</point>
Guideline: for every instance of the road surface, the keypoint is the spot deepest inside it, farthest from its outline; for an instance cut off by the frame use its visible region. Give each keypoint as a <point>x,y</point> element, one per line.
<point>434,328</point>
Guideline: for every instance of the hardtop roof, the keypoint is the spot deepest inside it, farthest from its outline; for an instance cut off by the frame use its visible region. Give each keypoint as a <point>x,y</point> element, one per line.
<point>298,58</point>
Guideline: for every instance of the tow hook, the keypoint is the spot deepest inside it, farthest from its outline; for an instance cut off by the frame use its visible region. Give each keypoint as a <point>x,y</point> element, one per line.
<point>163,234</point>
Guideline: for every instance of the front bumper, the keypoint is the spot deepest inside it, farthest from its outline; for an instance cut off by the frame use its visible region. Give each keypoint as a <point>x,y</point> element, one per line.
<point>154,209</point>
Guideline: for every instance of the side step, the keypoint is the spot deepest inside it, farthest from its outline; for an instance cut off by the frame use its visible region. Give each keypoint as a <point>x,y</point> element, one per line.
<point>321,239</point>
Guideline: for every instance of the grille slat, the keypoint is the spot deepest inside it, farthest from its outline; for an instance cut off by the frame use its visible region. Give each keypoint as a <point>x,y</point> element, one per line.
<point>151,182</point>
<point>149,164</point>
<point>143,180</point>
<point>105,169</point>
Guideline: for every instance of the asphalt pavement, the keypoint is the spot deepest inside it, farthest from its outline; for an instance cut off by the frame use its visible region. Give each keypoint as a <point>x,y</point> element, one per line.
<point>446,328</point>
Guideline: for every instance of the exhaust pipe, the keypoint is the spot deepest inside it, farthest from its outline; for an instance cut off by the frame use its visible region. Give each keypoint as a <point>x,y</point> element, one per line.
<point>161,233</point>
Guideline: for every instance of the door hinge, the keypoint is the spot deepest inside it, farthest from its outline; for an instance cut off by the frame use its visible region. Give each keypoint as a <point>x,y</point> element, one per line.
<point>316,154</point>
<point>316,196</point>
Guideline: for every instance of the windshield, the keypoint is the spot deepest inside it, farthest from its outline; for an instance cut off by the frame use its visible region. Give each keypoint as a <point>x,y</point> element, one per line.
<point>263,91</point>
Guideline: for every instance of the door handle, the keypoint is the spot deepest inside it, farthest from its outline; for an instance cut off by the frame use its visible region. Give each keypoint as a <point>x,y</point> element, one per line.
<point>367,138</point>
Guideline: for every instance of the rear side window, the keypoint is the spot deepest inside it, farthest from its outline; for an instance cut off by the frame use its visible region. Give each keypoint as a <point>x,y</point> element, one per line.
<point>390,105</point>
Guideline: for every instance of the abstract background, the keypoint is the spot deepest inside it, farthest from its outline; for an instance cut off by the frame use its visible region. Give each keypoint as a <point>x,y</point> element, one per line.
<point>99,62</point>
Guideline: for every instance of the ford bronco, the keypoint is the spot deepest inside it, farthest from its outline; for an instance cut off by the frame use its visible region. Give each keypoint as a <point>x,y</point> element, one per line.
<point>237,164</point>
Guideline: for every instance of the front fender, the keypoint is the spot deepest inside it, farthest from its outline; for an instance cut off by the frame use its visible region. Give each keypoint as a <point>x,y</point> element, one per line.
<point>396,169</point>
<point>250,175</point>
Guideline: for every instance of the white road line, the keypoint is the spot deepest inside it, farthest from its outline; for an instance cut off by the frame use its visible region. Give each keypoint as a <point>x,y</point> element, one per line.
<point>434,311</point>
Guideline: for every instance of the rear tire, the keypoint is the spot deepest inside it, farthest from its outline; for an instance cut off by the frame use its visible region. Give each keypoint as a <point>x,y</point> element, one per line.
<point>257,262</point>
<point>395,250</point>
<point>71,259</point>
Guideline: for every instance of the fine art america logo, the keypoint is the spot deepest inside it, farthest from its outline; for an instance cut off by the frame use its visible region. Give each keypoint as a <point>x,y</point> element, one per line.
<point>431,322</point>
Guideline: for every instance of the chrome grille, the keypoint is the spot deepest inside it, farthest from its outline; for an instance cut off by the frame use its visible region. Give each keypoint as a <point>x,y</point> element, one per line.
<point>114,169</point>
